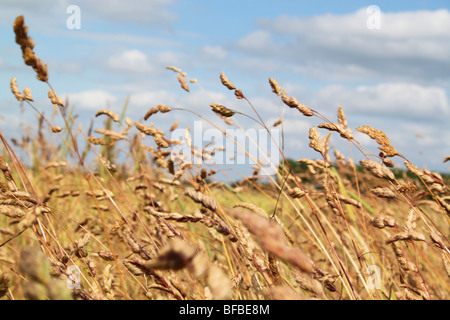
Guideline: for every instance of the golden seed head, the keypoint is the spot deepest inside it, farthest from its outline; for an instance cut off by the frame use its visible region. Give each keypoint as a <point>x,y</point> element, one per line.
<point>27,94</point>
<point>183,82</point>
<point>378,135</point>
<point>27,44</point>
<point>271,237</point>
<point>15,89</point>
<point>175,69</point>
<point>113,134</point>
<point>331,126</point>
<point>54,99</point>
<point>388,163</point>
<point>388,151</point>
<point>56,129</point>
<point>222,110</point>
<point>129,122</point>
<point>106,255</point>
<point>29,56</point>
<point>96,141</point>
<point>277,123</point>
<point>275,86</point>
<point>315,142</point>
<point>206,201</point>
<point>239,94</point>
<point>292,102</point>
<point>406,187</point>
<point>160,141</point>
<point>378,222</point>
<point>151,112</point>
<point>377,169</point>
<point>295,193</point>
<point>21,31</point>
<point>383,193</point>
<point>341,117</point>
<point>389,221</point>
<point>41,69</point>
<point>150,131</point>
<point>163,108</point>
<point>174,126</point>
<point>109,113</point>
<point>227,83</point>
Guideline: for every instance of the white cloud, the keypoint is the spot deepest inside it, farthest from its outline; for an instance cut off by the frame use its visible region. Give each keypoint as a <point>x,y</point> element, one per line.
<point>67,66</point>
<point>255,64</point>
<point>194,100</point>
<point>167,58</point>
<point>255,41</point>
<point>409,44</point>
<point>332,71</point>
<point>91,99</point>
<point>399,25</point>
<point>293,126</point>
<point>147,100</point>
<point>213,52</point>
<point>124,39</point>
<point>130,61</point>
<point>135,61</point>
<point>402,100</point>
<point>31,7</point>
<point>144,12</point>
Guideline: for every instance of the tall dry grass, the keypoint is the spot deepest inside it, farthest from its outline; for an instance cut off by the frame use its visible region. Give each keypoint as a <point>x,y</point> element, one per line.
<point>158,227</point>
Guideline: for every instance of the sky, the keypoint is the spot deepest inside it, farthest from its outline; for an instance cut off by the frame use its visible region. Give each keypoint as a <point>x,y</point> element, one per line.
<point>387,63</point>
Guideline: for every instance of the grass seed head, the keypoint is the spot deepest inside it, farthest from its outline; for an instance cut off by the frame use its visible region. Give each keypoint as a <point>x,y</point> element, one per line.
<point>54,99</point>
<point>27,94</point>
<point>109,113</point>
<point>293,103</point>
<point>239,94</point>
<point>175,69</point>
<point>378,135</point>
<point>383,193</point>
<point>56,129</point>
<point>227,83</point>
<point>271,237</point>
<point>27,44</point>
<point>222,110</point>
<point>15,89</point>
<point>275,86</point>
<point>182,82</point>
<point>341,117</point>
<point>377,169</point>
<point>296,193</point>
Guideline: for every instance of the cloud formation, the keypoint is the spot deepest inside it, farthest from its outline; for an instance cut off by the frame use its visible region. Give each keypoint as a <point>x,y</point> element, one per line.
<point>403,100</point>
<point>408,44</point>
<point>143,12</point>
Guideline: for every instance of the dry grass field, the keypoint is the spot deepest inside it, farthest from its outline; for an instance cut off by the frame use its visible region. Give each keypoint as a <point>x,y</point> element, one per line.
<point>154,226</point>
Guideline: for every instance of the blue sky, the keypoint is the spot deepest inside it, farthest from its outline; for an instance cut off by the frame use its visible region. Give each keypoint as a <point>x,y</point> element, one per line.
<point>395,78</point>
